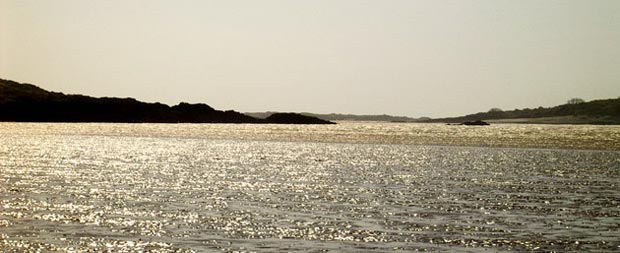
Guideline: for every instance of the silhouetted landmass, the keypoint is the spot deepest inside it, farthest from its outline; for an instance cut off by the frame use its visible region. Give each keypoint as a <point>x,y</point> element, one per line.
<point>28,103</point>
<point>346,117</point>
<point>605,111</point>
<point>475,123</point>
<point>294,117</point>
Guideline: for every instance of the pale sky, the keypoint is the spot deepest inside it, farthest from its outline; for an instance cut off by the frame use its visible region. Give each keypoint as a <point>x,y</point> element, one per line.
<point>414,58</point>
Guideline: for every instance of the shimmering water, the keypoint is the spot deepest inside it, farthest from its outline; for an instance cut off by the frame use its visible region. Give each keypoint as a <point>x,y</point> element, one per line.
<point>352,187</point>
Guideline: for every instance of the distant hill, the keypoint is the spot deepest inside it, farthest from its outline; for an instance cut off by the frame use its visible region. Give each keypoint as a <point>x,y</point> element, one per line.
<point>343,117</point>
<point>28,103</point>
<point>577,111</point>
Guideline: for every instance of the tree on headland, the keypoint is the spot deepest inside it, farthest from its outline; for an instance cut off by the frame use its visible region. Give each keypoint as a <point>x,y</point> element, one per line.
<point>574,101</point>
<point>495,113</point>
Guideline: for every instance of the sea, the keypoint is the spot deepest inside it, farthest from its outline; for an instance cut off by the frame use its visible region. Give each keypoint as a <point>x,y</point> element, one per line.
<point>350,187</point>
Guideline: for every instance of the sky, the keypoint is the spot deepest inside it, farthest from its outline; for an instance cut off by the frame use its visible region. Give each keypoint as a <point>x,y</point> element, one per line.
<point>414,58</point>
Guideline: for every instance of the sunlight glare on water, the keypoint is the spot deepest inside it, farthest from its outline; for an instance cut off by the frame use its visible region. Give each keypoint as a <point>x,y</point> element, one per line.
<point>372,187</point>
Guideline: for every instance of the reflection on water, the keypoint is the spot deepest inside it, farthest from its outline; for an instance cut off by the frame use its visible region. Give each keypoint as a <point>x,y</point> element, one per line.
<point>499,135</point>
<point>350,187</point>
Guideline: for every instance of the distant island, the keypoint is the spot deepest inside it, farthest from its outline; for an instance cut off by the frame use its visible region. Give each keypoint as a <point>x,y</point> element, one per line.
<point>346,117</point>
<point>20,102</point>
<point>575,111</point>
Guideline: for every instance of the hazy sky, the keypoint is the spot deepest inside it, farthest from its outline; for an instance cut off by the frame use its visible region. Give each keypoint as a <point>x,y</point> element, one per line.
<point>415,58</point>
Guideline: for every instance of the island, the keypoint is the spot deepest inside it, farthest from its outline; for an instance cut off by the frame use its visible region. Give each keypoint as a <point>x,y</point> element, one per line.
<point>21,102</point>
<point>348,117</point>
<point>475,123</point>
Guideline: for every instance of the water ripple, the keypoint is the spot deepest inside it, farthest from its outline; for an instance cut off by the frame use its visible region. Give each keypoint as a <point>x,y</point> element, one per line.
<point>145,189</point>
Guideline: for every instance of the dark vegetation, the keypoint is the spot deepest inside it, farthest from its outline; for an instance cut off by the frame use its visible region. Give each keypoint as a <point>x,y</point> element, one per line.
<point>28,103</point>
<point>605,111</point>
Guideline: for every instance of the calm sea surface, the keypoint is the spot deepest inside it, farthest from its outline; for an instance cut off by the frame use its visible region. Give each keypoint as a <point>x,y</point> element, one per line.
<point>352,187</point>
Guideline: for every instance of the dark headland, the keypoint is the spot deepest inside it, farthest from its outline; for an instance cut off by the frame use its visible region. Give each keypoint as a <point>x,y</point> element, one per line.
<point>575,111</point>
<point>20,102</point>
